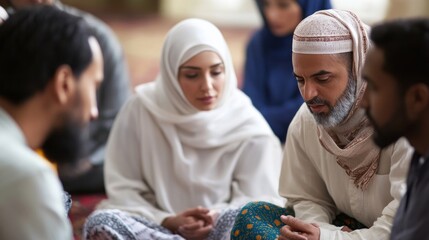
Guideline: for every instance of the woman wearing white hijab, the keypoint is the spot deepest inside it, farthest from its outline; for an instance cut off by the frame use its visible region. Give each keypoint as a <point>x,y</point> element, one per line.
<point>188,149</point>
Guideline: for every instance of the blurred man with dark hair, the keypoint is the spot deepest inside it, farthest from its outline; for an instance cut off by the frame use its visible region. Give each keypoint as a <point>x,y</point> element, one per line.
<point>397,103</point>
<point>86,174</point>
<point>50,67</point>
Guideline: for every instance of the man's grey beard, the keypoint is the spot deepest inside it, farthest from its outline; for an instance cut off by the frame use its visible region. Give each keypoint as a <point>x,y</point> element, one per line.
<point>341,109</point>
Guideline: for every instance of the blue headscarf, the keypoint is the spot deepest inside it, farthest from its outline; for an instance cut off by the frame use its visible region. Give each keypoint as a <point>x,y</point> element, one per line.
<point>268,72</point>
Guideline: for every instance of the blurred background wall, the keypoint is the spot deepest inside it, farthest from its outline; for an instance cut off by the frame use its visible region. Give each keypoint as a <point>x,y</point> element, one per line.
<point>142,24</point>
<point>243,12</point>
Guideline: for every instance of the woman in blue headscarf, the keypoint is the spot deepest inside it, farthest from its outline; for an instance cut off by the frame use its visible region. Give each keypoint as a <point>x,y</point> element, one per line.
<point>268,73</point>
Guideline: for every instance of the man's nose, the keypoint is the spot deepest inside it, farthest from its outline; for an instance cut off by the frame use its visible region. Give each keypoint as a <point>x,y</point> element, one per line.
<point>94,113</point>
<point>309,91</point>
<point>94,107</point>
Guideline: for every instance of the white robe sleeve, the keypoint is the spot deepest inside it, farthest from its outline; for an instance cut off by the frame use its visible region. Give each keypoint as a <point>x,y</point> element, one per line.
<point>126,186</point>
<point>301,183</point>
<point>382,226</point>
<point>34,209</point>
<point>257,172</point>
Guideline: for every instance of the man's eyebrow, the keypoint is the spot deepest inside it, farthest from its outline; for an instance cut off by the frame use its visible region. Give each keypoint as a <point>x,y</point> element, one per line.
<point>321,72</point>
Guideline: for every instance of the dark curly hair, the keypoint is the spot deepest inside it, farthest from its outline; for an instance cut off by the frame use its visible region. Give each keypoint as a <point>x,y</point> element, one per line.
<point>405,45</point>
<point>34,42</point>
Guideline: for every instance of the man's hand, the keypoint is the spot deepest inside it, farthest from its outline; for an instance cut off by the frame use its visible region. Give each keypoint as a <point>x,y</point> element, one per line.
<point>193,224</point>
<point>296,229</point>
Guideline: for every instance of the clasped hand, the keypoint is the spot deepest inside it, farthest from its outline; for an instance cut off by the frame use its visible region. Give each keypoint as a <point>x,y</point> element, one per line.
<point>192,224</point>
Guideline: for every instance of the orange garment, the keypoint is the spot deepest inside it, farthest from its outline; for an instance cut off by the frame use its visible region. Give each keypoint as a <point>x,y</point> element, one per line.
<point>52,165</point>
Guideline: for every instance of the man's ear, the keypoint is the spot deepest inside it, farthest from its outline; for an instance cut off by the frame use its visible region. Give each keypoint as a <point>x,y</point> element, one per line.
<point>64,84</point>
<point>417,100</point>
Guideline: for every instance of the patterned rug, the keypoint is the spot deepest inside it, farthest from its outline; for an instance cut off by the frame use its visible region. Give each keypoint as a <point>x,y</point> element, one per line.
<point>82,207</point>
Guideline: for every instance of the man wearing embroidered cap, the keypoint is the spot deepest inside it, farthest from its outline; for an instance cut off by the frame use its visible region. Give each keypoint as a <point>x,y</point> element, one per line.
<point>339,184</point>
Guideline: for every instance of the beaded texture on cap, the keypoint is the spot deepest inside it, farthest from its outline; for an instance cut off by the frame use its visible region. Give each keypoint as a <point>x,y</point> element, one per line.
<point>321,34</point>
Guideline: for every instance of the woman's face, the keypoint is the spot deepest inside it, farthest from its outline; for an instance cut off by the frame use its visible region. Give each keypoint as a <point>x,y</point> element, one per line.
<point>282,16</point>
<point>202,79</point>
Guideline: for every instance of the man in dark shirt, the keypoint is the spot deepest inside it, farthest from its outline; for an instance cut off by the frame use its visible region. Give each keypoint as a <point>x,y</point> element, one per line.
<point>397,103</point>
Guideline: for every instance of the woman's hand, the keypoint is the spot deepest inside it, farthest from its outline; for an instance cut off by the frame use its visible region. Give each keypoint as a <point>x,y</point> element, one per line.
<point>192,224</point>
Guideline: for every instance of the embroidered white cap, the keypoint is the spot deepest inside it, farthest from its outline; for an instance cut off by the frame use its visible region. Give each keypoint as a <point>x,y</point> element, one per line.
<point>321,34</point>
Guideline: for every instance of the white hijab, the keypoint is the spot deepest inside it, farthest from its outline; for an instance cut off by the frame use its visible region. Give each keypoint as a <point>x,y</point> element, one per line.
<point>233,120</point>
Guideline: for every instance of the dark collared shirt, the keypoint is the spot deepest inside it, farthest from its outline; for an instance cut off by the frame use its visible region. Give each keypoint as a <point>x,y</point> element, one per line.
<point>412,218</point>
